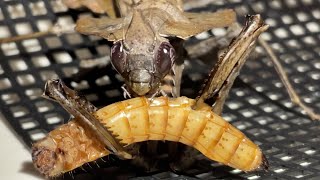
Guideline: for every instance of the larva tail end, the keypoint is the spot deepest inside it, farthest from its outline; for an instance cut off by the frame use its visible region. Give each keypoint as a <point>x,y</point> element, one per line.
<point>264,163</point>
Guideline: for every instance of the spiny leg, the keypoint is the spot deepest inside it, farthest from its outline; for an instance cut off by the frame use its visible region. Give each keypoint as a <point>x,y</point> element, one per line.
<point>227,68</point>
<point>285,80</point>
<point>82,109</point>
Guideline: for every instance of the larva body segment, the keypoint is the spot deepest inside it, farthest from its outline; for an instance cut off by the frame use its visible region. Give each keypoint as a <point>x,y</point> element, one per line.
<point>141,119</point>
<point>174,120</point>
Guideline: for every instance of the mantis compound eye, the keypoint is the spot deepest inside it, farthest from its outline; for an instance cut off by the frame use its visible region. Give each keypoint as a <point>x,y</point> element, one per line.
<point>165,58</point>
<point>118,57</point>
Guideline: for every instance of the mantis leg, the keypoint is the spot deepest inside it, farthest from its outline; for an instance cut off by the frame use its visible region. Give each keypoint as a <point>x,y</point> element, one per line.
<point>82,109</point>
<point>285,80</point>
<point>227,68</point>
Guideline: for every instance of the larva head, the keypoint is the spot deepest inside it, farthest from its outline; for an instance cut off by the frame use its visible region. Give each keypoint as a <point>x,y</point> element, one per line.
<point>143,69</point>
<point>46,158</point>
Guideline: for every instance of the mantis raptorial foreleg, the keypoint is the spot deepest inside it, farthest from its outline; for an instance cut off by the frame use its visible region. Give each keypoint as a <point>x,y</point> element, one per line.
<point>82,109</point>
<point>221,94</point>
<point>228,66</point>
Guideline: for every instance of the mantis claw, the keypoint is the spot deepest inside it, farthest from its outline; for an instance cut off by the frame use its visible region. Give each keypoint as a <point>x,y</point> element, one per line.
<point>82,109</point>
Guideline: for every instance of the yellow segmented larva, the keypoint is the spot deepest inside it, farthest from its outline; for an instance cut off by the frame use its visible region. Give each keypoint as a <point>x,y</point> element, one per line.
<point>140,119</point>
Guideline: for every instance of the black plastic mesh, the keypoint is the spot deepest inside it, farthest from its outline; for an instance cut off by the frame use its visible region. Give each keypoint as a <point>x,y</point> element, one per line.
<point>258,105</point>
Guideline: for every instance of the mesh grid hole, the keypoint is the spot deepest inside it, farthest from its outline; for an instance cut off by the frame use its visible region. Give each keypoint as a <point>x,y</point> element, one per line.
<point>53,118</point>
<point>58,6</point>
<point>74,39</point>
<point>242,125</point>
<point>43,25</point>
<point>314,75</point>
<point>26,79</point>
<point>257,131</point>
<point>302,16</point>
<point>46,75</point>
<point>258,7</point>
<point>4,83</point>
<point>235,171</point>
<point>19,111</point>
<point>203,35</point>
<point>37,135</point>
<point>275,4</point>
<point>104,80</point>
<point>62,57</point>
<point>44,106</point>
<point>83,53</point>
<point>10,98</point>
<point>254,100</point>
<point>40,61</point>
<point>18,65</point>
<point>16,11</point>
<point>38,8</point>
<point>28,123</point>
<point>287,19</point>
<point>309,40</point>
<point>234,104</point>
<point>229,117</point>
<point>81,85</point>
<point>34,93</point>
<point>268,108</point>
<point>263,120</point>
<point>68,71</point>
<point>280,170</point>
<point>275,139</point>
<point>271,22</point>
<point>242,10</point>
<point>53,42</point>
<point>31,45</point>
<point>247,113</point>
<point>219,31</point>
<point>65,21</point>
<point>279,126</point>
<point>9,49</point>
<point>23,28</point>
<point>253,177</point>
<point>294,44</point>
<point>313,27</point>
<point>4,32</point>
<point>297,30</point>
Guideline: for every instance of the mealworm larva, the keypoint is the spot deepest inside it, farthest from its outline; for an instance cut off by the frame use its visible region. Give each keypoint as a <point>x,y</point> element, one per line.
<point>141,119</point>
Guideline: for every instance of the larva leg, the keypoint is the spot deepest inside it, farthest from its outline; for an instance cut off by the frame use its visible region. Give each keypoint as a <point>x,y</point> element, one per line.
<point>228,66</point>
<point>83,109</point>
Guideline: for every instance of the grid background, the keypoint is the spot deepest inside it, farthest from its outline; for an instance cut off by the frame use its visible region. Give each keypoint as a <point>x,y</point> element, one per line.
<point>258,104</point>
